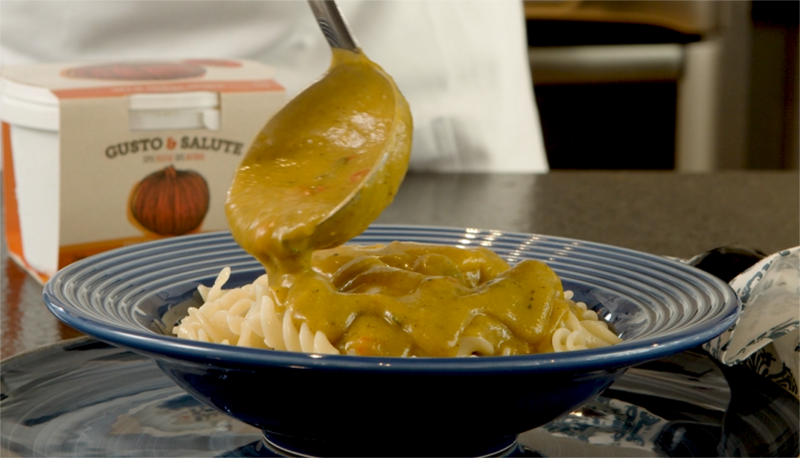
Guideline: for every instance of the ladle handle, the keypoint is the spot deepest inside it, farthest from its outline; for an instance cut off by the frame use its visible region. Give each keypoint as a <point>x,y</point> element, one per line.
<point>333,24</point>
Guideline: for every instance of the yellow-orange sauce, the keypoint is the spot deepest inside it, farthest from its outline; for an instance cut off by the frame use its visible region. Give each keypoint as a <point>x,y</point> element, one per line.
<point>409,299</point>
<point>316,153</point>
<point>285,206</point>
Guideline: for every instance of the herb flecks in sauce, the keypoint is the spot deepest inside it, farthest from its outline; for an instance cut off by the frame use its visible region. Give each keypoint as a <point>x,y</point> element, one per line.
<point>419,299</point>
<point>346,138</point>
<point>316,176</point>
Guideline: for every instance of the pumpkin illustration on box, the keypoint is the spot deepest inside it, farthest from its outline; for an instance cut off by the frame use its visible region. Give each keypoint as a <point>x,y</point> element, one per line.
<point>169,202</point>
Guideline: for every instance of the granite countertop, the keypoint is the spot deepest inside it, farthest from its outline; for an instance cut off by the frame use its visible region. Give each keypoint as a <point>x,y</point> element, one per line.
<point>663,213</point>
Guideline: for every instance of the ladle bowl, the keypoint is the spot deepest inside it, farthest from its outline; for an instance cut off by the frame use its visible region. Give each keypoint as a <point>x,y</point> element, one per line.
<point>327,164</point>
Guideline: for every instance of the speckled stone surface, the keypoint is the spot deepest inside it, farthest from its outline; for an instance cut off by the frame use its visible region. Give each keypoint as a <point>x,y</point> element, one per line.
<point>658,212</point>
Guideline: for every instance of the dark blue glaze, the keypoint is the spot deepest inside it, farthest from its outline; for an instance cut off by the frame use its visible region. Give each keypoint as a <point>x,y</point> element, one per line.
<point>660,307</point>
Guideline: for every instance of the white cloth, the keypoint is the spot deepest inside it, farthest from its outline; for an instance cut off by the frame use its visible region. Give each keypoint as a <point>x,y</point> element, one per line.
<point>462,65</point>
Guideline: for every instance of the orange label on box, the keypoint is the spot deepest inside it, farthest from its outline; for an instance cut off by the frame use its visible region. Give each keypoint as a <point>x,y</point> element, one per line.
<point>223,86</point>
<point>117,172</point>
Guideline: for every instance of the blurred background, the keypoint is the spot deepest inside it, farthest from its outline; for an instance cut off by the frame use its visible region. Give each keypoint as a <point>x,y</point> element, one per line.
<point>672,85</point>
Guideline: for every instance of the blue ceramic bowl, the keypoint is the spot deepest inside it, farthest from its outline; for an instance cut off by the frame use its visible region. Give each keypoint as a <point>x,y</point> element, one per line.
<point>347,405</point>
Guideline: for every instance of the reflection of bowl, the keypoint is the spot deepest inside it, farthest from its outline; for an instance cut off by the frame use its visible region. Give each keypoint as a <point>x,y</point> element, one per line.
<point>342,405</point>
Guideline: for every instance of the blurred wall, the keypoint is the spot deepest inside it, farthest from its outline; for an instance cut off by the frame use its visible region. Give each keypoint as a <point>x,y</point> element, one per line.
<point>643,84</point>
<point>773,93</point>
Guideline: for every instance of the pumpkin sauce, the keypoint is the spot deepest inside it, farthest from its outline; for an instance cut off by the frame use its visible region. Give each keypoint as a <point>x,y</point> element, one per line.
<point>316,176</point>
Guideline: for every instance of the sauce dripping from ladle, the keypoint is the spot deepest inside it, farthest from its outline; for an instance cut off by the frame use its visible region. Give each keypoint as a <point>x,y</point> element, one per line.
<point>325,166</point>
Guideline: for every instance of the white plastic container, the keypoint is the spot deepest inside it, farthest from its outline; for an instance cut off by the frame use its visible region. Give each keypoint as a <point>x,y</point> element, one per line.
<point>75,148</point>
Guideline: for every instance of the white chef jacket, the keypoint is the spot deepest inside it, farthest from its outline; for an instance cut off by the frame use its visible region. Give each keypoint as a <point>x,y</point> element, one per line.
<point>462,65</point>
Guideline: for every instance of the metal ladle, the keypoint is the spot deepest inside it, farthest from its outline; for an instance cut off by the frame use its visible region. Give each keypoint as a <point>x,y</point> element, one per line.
<point>281,227</point>
<point>388,171</point>
<point>333,25</point>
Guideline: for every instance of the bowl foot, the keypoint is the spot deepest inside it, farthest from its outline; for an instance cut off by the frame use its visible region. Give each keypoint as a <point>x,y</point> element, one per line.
<point>391,446</point>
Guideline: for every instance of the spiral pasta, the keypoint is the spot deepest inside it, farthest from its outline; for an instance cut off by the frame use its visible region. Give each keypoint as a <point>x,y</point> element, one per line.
<point>582,330</point>
<point>249,317</point>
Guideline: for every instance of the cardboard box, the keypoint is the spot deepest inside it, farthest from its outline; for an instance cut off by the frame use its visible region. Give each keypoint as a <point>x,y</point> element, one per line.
<point>98,156</point>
